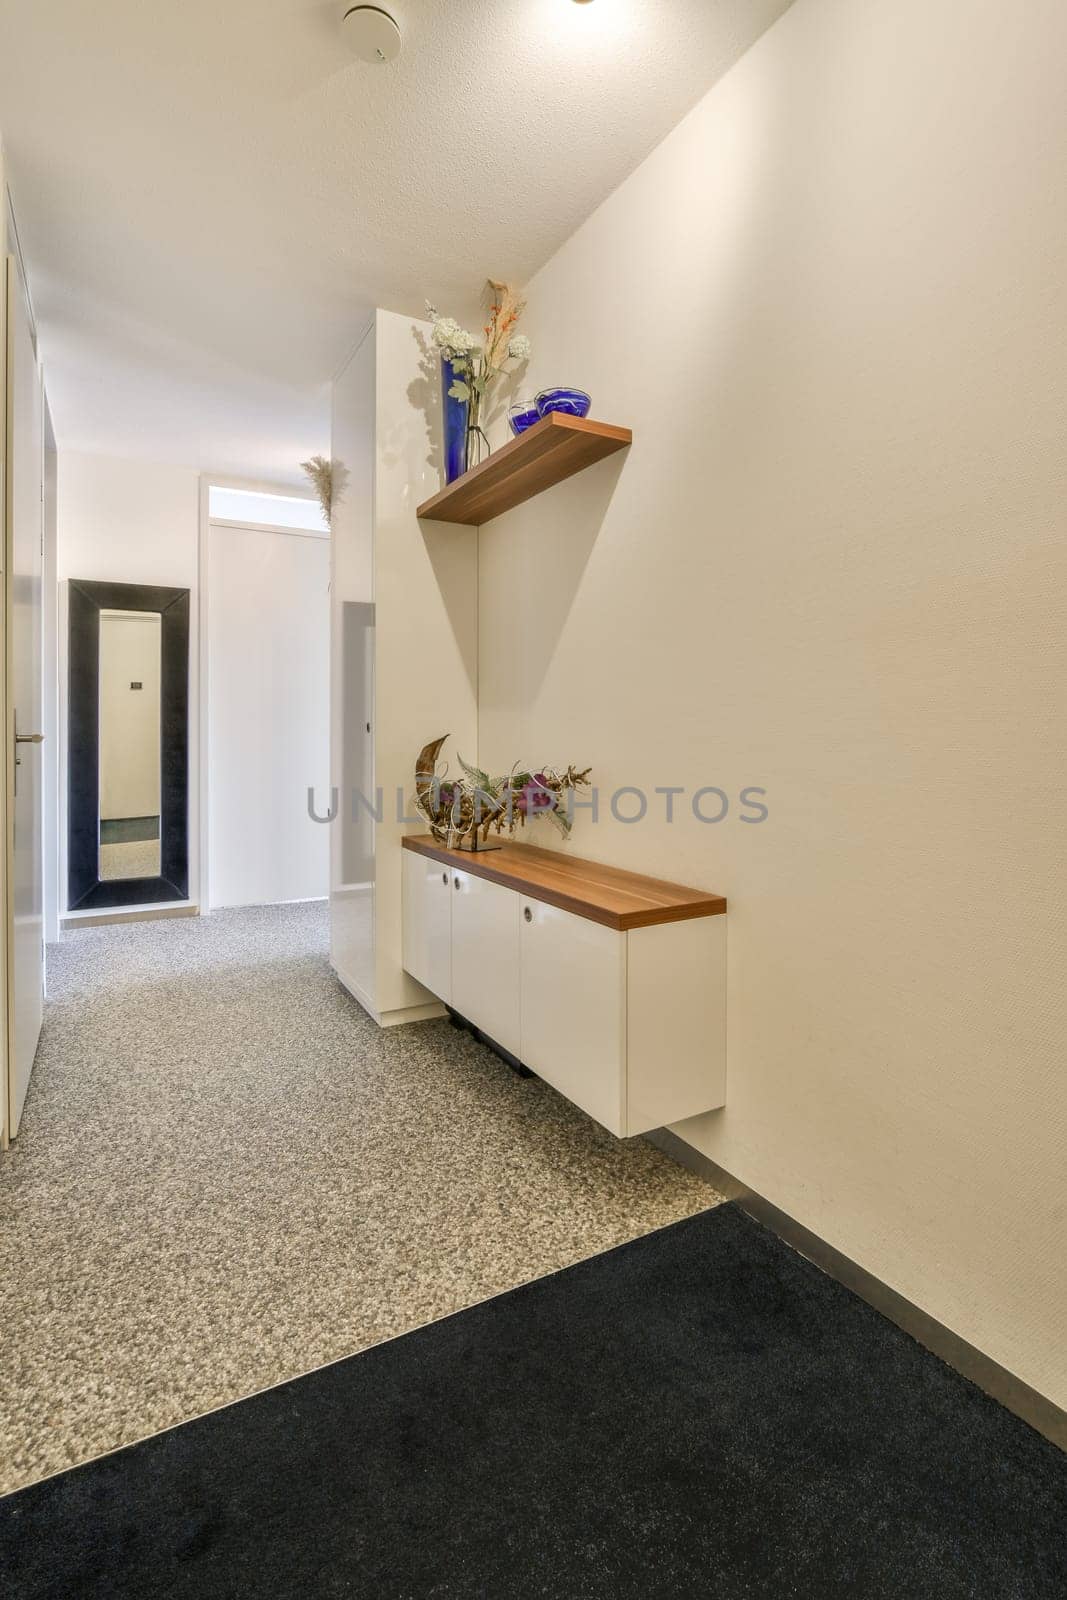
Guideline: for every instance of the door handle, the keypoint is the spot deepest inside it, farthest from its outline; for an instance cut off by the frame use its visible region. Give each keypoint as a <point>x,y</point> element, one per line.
<point>26,738</point>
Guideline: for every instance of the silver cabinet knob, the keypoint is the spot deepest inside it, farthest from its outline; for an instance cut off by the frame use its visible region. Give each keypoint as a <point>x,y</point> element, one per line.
<point>444,877</point>
<point>528,914</point>
<point>457,880</point>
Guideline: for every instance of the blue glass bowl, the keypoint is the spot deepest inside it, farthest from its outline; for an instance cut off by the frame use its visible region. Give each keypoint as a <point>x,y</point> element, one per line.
<point>572,402</point>
<point>522,415</point>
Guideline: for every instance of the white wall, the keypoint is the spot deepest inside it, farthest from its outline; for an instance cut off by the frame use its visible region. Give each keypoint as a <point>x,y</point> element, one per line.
<point>130,522</point>
<point>268,631</point>
<point>831,306</point>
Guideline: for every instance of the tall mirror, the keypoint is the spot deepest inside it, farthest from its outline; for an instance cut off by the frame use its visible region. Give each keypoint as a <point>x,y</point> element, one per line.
<point>128,745</point>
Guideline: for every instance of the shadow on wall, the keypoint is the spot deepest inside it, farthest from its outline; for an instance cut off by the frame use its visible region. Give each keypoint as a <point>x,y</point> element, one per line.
<point>423,394</point>
<point>447,545</point>
<point>505,392</point>
<point>556,535</point>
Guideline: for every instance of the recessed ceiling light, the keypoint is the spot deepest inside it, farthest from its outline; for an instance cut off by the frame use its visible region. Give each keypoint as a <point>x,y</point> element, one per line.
<point>372,34</point>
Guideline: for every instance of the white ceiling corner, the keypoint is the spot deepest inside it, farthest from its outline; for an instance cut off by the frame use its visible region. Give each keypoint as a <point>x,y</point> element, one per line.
<point>213,197</point>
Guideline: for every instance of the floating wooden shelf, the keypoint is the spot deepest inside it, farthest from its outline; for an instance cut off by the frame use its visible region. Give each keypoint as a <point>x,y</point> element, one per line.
<point>553,449</point>
<point>609,895</point>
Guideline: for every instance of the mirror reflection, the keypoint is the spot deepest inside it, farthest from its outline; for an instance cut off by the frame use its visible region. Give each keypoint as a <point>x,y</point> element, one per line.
<point>130,661</point>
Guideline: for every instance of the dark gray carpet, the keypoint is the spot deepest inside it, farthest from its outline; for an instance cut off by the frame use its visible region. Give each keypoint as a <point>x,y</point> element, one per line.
<point>699,1413</point>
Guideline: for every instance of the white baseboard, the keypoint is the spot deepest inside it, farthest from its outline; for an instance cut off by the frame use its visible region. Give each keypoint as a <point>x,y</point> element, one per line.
<point>389,1019</point>
<point>147,913</point>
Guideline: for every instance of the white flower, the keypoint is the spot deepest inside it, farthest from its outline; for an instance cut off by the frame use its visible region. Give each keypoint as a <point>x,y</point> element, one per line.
<point>445,332</point>
<point>451,339</point>
<point>518,347</point>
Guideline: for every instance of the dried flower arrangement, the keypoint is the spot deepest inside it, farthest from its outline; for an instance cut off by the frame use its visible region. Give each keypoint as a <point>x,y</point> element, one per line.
<point>320,471</point>
<point>461,812</point>
<point>477,364</point>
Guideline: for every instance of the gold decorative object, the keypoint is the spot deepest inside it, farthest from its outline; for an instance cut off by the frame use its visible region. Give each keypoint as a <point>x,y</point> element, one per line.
<point>320,471</point>
<point>461,812</point>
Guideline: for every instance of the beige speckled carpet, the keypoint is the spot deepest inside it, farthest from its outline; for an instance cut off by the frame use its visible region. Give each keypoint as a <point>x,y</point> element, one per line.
<point>228,1175</point>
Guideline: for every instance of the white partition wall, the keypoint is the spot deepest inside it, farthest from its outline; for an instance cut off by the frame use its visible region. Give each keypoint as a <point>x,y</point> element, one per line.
<point>268,651</point>
<point>404,645</point>
<point>352,841</point>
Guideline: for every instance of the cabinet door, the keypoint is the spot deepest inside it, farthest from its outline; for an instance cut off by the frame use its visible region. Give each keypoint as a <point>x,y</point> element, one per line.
<point>675,1022</point>
<point>485,957</point>
<point>427,923</point>
<point>573,1008</point>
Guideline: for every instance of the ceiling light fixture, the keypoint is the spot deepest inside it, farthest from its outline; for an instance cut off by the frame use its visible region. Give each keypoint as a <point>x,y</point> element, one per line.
<point>372,33</point>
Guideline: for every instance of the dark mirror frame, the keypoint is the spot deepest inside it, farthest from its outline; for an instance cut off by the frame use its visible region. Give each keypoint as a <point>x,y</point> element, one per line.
<point>85,890</point>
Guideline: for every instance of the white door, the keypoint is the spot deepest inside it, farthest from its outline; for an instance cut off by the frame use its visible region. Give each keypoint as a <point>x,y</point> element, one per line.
<point>426,914</point>
<point>485,957</point>
<point>268,673</point>
<point>574,1009</point>
<point>25,859</point>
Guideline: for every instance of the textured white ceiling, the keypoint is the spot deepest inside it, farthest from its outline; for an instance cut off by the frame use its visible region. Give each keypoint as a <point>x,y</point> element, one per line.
<point>213,194</point>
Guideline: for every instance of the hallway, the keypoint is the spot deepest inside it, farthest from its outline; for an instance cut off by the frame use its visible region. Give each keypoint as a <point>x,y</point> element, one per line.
<point>228,1175</point>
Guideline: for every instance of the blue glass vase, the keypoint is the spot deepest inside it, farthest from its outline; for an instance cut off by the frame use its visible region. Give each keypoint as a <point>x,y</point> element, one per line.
<point>455,418</point>
<point>571,402</point>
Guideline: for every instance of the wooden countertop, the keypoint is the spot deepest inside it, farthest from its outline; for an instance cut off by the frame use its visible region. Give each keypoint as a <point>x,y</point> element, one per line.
<point>608,895</point>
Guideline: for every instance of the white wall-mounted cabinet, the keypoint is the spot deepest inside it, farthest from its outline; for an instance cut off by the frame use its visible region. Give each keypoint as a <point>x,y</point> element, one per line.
<point>627,1022</point>
<point>574,1009</point>
<point>427,914</point>
<point>484,940</point>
